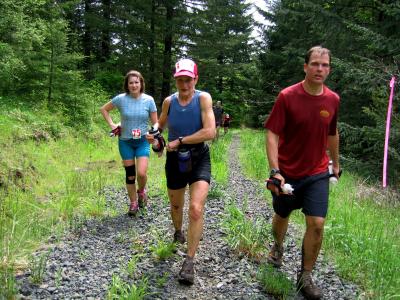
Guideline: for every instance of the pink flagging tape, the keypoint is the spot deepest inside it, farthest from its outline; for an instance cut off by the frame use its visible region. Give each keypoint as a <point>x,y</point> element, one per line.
<point>388,117</point>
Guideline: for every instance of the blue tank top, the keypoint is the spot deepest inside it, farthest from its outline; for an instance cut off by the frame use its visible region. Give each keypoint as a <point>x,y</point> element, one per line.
<point>184,120</point>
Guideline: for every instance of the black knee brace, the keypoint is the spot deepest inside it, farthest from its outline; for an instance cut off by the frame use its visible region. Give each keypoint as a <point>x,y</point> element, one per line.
<point>130,172</point>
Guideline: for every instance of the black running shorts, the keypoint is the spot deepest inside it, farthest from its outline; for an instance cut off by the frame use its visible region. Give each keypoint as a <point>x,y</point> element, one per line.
<point>311,194</point>
<point>201,167</point>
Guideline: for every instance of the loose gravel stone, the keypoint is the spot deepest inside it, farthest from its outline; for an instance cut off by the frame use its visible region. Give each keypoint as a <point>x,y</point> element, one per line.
<point>83,263</point>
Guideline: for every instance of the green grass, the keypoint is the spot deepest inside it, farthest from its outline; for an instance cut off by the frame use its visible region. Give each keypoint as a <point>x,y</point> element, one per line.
<point>243,234</point>
<point>366,239</point>
<point>362,235</point>
<point>274,282</point>
<point>252,154</point>
<point>60,184</point>
<point>51,180</point>
<point>161,247</point>
<point>122,290</point>
<point>53,184</point>
<point>219,158</point>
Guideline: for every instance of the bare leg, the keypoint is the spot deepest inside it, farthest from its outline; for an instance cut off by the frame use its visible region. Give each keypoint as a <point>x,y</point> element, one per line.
<point>312,241</point>
<point>198,196</point>
<point>177,201</point>
<point>279,228</point>
<point>142,165</point>
<point>131,188</point>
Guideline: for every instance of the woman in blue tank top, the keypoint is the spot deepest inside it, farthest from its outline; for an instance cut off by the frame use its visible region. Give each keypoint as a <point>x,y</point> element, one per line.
<point>191,122</point>
<point>135,108</point>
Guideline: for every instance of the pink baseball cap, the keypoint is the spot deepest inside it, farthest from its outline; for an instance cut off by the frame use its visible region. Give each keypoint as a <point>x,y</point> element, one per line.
<point>186,67</point>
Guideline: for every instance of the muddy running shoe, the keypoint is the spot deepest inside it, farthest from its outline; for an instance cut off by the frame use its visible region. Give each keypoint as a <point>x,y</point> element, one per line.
<point>142,198</point>
<point>305,284</point>
<point>179,237</point>
<point>275,256</point>
<point>133,208</point>
<point>186,274</point>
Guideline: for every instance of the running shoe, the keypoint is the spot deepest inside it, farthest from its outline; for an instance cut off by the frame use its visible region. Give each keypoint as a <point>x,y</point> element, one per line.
<point>142,198</point>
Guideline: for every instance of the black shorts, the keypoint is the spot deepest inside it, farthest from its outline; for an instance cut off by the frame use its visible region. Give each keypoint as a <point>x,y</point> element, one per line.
<point>201,167</point>
<point>311,194</point>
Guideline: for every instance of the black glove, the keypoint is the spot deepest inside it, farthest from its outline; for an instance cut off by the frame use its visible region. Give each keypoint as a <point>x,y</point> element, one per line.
<point>160,143</point>
<point>116,131</point>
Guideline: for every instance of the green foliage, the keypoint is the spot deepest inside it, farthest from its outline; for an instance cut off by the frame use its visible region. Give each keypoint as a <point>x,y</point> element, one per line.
<point>161,248</point>
<point>356,33</point>
<point>222,48</point>
<point>275,282</point>
<point>362,236</point>
<point>132,265</point>
<point>242,233</point>
<point>38,267</point>
<point>254,161</point>
<point>7,282</point>
<point>122,290</point>
<point>219,158</point>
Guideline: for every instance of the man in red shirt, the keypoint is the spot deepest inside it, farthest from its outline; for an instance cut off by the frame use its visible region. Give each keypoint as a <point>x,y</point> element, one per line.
<point>300,128</point>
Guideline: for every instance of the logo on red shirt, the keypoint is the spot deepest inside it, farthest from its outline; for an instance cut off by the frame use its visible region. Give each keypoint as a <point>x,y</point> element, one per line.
<point>324,113</point>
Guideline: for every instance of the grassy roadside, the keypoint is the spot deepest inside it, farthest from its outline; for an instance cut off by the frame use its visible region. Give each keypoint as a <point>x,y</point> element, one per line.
<point>51,178</point>
<point>362,235</point>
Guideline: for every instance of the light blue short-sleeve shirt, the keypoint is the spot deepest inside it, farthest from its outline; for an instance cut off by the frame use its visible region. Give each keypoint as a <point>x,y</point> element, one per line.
<point>135,114</point>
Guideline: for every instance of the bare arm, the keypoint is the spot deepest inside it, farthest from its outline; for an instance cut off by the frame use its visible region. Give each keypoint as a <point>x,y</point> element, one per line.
<point>162,121</point>
<point>333,147</point>
<point>153,117</point>
<point>105,111</point>
<point>208,130</point>
<point>272,141</point>
<point>271,145</point>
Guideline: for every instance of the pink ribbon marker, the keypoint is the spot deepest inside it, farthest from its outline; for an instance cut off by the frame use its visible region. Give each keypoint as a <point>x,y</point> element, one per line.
<point>389,113</point>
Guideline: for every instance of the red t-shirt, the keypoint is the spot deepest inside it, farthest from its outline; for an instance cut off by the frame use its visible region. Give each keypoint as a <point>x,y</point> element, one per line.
<point>303,123</point>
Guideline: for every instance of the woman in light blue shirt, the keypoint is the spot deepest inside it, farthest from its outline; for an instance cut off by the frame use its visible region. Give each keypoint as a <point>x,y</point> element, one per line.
<point>136,108</point>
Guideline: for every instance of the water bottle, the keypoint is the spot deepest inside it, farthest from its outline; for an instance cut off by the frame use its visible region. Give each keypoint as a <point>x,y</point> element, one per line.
<point>184,160</point>
<point>332,177</point>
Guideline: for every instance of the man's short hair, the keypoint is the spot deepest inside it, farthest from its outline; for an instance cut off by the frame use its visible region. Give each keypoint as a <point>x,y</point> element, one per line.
<point>318,49</point>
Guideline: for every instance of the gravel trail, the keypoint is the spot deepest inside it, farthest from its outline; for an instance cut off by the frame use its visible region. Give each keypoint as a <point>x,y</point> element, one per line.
<point>83,263</point>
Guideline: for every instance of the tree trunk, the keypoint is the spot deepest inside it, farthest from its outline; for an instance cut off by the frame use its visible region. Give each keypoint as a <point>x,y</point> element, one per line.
<point>166,86</point>
<point>87,39</point>
<point>105,34</point>
<point>152,80</point>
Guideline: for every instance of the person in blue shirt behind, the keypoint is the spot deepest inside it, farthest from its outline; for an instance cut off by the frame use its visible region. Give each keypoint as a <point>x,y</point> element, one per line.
<point>191,122</point>
<point>135,109</point>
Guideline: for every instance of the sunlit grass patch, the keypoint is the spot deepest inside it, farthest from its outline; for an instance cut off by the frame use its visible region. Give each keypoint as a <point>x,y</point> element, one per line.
<point>275,282</point>
<point>252,154</point>
<point>161,247</point>
<point>8,285</point>
<point>219,158</point>
<point>244,234</point>
<point>119,289</point>
<point>366,239</point>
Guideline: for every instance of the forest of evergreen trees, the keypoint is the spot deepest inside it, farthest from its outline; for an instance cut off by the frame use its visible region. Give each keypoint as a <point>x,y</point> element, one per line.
<point>62,53</point>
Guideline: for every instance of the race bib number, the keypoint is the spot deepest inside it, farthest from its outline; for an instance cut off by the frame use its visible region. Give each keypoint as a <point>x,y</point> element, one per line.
<point>136,133</point>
